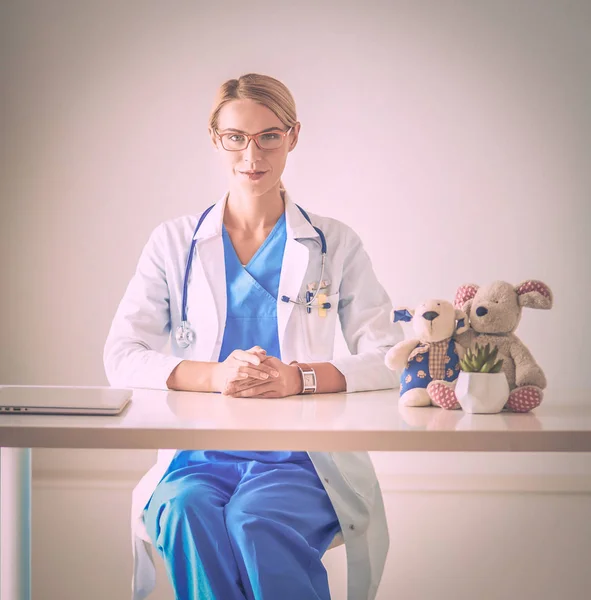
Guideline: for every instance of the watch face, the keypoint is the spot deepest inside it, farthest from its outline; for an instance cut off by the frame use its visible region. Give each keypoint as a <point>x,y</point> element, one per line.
<point>309,380</point>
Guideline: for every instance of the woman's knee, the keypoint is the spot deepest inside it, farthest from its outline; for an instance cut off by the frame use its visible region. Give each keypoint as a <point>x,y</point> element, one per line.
<point>244,522</point>
<point>168,510</point>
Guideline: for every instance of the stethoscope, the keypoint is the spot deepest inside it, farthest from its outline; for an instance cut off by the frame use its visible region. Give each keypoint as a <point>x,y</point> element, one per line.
<point>185,336</point>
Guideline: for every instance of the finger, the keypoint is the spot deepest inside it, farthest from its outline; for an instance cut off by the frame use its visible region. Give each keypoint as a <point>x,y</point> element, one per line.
<point>238,376</point>
<point>263,356</point>
<point>254,391</point>
<point>246,367</point>
<point>246,356</point>
<point>256,374</point>
<point>240,385</point>
<point>266,368</point>
<point>260,373</point>
<point>257,349</point>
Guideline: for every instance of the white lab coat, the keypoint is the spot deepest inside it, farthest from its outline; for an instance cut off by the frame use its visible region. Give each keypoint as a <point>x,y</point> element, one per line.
<point>134,356</point>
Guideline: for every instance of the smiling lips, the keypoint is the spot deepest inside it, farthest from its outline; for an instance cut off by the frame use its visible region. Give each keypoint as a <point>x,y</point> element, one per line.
<point>253,174</point>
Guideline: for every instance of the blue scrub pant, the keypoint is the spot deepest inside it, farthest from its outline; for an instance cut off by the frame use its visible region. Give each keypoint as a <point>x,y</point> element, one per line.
<point>238,529</point>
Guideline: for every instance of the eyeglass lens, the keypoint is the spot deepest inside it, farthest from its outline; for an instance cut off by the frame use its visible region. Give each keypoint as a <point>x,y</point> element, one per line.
<point>237,141</point>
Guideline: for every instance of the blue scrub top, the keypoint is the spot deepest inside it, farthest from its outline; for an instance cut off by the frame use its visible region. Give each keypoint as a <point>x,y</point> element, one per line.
<point>251,292</point>
<point>251,320</point>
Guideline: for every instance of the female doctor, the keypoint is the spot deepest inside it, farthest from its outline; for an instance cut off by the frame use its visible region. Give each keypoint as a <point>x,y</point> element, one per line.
<point>248,293</point>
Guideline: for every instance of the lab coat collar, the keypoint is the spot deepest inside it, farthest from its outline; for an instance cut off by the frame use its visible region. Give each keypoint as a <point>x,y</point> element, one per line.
<point>212,224</point>
<point>296,225</point>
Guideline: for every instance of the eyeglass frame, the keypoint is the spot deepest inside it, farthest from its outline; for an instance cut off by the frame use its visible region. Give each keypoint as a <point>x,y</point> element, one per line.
<point>254,136</point>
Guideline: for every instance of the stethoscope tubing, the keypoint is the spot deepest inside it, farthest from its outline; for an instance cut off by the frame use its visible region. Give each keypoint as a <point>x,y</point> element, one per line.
<point>185,336</point>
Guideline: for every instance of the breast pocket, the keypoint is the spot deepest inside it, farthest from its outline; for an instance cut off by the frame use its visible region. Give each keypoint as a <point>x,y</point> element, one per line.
<point>318,332</point>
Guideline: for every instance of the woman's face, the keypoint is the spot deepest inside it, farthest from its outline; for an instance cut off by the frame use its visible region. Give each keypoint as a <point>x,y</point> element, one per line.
<point>250,117</point>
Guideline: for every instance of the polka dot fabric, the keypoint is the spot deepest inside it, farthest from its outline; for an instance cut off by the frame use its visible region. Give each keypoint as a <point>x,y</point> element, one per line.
<point>465,293</point>
<point>525,398</point>
<point>534,286</point>
<point>443,395</point>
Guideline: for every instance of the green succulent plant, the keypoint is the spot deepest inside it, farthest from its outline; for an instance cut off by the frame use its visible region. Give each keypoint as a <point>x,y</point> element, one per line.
<point>482,360</point>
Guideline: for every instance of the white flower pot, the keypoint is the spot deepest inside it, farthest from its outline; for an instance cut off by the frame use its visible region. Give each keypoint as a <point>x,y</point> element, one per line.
<point>482,392</point>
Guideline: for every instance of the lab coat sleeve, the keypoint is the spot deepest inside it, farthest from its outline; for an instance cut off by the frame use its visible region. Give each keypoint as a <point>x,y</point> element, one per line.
<point>133,354</point>
<point>364,313</point>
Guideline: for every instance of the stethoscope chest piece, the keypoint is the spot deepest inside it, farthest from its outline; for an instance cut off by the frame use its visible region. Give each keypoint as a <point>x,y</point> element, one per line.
<point>184,336</point>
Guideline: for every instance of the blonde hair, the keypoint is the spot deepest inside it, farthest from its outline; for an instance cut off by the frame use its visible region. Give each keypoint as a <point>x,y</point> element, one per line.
<point>265,90</point>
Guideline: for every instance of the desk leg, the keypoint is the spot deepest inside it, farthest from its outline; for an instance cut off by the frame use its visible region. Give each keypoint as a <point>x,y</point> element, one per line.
<point>15,524</point>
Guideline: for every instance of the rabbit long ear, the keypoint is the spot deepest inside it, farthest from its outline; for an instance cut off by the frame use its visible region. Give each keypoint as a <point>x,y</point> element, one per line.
<point>534,294</point>
<point>463,294</point>
<point>401,314</point>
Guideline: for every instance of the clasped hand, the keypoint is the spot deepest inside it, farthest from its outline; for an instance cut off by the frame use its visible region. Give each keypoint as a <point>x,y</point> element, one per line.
<point>252,373</point>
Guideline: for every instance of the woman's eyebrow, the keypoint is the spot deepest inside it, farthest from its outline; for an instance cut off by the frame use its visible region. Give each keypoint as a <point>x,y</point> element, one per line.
<point>263,131</point>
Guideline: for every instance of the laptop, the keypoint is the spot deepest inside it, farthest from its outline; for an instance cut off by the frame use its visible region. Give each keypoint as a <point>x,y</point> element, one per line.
<point>62,400</point>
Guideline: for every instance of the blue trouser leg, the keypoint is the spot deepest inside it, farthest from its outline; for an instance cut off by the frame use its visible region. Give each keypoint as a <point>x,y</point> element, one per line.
<point>280,522</point>
<point>185,520</point>
<point>236,530</point>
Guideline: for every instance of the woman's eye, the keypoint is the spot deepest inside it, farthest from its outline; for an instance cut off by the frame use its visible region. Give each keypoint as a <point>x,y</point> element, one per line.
<point>236,138</point>
<point>269,136</point>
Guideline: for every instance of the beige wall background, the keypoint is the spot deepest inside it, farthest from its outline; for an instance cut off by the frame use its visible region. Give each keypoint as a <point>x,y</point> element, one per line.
<point>453,136</point>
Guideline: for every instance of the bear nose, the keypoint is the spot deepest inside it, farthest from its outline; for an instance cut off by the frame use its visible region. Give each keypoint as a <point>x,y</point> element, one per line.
<point>481,311</point>
<point>430,315</point>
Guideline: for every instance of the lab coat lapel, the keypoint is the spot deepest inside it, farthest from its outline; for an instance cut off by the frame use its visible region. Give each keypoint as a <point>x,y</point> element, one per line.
<point>207,300</point>
<point>210,286</point>
<point>295,264</point>
<point>206,294</point>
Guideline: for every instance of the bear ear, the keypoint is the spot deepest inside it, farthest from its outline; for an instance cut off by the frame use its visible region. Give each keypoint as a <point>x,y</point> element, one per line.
<point>534,294</point>
<point>464,293</point>
<point>462,321</point>
<point>401,314</point>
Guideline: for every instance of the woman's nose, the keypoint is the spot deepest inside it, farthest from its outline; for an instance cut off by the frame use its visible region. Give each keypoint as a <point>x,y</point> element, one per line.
<point>251,151</point>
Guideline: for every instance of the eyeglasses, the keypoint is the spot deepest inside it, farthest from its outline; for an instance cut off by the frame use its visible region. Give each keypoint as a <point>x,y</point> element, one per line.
<point>267,140</point>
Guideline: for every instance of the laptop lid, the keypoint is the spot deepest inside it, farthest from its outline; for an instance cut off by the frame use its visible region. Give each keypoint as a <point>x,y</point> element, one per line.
<point>62,400</point>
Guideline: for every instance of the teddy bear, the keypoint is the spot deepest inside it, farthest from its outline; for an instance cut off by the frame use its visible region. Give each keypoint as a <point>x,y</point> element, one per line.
<point>493,312</point>
<point>432,354</point>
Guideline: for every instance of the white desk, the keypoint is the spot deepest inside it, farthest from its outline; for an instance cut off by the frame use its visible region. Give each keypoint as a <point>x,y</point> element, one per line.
<point>331,422</point>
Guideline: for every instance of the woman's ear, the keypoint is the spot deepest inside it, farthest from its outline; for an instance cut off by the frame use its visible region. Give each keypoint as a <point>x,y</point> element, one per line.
<point>294,136</point>
<point>213,137</point>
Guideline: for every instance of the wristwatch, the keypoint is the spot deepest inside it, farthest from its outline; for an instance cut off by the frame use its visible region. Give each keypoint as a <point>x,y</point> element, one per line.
<point>308,377</point>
